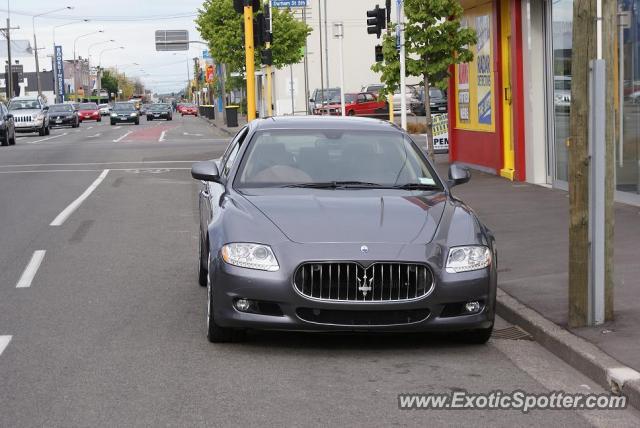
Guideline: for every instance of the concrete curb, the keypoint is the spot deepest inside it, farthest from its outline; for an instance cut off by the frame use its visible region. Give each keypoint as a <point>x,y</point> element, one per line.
<point>577,352</point>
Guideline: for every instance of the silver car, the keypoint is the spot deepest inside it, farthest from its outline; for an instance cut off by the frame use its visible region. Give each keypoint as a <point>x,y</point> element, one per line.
<point>30,114</point>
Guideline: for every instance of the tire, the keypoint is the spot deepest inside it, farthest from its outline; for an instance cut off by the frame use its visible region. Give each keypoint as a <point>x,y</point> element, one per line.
<point>476,337</point>
<point>47,131</point>
<point>138,122</point>
<point>42,131</point>
<point>112,123</point>
<point>5,142</point>
<point>100,119</point>
<point>202,271</point>
<point>170,118</point>
<point>149,119</point>
<point>12,141</point>
<point>351,113</point>
<point>216,333</point>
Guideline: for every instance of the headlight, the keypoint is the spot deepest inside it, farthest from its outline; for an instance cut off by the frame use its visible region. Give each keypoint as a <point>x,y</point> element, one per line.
<point>464,259</point>
<point>40,116</point>
<point>134,114</point>
<point>114,115</point>
<point>252,256</point>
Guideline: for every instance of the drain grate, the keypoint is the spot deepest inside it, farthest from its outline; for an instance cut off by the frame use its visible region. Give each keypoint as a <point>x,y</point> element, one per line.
<point>511,333</point>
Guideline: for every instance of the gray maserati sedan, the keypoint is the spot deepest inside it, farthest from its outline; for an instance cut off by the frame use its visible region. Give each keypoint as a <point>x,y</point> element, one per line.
<point>339,224</point>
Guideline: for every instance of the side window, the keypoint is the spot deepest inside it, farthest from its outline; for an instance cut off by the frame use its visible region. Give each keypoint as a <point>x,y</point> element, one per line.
<point>227,152</point>
<point>369,97</point>
<point>361,98</point>
<point>227,164</point>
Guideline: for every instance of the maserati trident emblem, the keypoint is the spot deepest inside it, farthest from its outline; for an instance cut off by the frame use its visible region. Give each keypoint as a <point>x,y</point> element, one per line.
<point>364,249</point>
<point>364,284</point>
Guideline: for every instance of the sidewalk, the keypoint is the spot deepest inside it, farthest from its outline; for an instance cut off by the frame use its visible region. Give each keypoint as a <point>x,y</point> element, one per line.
<point>218,123</point>
<point>531,226</point>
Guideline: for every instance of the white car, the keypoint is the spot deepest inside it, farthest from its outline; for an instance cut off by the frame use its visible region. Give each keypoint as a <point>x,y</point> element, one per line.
<point>30,114</point>
<point>411,98</point>
<point>105,109</point>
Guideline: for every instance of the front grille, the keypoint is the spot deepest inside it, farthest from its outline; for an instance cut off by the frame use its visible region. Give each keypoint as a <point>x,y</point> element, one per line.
<point>351,282</point>
<point>362,318</point>
<point>23,119</point>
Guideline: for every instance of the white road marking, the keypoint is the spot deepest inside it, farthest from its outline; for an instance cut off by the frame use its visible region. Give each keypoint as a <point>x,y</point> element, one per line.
<point>4,342</point>
<point>90,127</point>
<point>161,139</point>
<point>80,170</point>
<point>31,269</point>
<point>64,215</point>
<point>192,135</point>
<point>122,138</point>
<point>93,136</point>
<point>48,138</point>
<point>94,163</point>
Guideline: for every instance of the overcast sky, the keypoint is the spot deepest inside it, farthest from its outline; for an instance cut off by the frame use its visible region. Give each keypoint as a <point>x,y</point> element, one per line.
<point>131,23</point>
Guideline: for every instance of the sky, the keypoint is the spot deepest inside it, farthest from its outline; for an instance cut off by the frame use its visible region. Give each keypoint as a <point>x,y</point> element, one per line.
<point>130,23</point>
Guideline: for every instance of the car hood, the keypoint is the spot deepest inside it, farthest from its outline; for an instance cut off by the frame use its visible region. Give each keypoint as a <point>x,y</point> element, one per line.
<point>329,216</point>
<point>87,111</point>
<point>24,112</point>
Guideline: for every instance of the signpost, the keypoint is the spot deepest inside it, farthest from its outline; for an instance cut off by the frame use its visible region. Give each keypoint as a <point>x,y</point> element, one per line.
<point>59,73</point>
<point>172,40</point>
<point>284,4</point>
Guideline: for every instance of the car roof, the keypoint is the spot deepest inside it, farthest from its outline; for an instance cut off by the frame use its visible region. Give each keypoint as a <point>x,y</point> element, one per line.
<point>324,122</point>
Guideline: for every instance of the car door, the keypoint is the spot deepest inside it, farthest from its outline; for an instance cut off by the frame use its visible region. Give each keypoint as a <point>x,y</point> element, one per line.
<point>370,104</point>
<point>211,193</point>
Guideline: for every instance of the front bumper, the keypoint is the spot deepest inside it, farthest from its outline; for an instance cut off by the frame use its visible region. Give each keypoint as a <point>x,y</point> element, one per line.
<point>231,282</point>
<point>33,126</point>
<point>63,121</point>
<point>124,119</point>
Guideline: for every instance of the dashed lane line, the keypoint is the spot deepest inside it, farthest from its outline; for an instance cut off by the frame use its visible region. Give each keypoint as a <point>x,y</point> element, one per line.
<point>4,342</point>
<point>161,139</point>
<point>48,138</point>
<point>64,215</point>
<point>31,269</point>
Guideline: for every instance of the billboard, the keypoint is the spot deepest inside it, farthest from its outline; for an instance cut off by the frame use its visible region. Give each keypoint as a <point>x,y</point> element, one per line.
<point>59,73</point>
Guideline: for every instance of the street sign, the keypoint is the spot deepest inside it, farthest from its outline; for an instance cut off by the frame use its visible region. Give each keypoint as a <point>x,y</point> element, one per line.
<point>172,40</point>
<point>284,4</point>
<point>206,54</point>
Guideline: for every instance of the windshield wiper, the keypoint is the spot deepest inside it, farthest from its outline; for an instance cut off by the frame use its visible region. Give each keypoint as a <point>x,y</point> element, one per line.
<point>334,185</point>
<point>417,186</point>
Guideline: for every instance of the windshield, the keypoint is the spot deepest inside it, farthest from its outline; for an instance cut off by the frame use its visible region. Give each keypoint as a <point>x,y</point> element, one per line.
<point>88,106</point>
<point>24,105</point>
<point>435,93</point>
<point>159,107</point>
<point>124,107</point>
<point>60,108</point>
<point>287,157</point>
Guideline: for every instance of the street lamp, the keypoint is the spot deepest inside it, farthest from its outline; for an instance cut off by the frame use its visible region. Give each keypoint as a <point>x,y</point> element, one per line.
<point>55,67</point>
<point>75,61</point>
<point>105,50</point>
<point>97,44</point>
<point>35,42</point>
<point>338,33</point>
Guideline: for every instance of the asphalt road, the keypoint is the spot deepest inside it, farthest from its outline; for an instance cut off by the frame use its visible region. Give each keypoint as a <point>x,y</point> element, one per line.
<point>102,320</point>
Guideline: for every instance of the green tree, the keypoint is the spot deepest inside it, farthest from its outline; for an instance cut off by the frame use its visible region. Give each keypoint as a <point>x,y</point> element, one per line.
<point>435,40</point>
<point>222,27</point>
<point>109,82</point>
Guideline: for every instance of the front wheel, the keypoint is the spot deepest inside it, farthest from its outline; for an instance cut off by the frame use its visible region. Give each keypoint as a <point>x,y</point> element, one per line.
<point>351,113</point>
<point>138,122</point>
<point>202,271</point>
<point>42,131</point>
<point>12,141</point>
<point>112,123</point>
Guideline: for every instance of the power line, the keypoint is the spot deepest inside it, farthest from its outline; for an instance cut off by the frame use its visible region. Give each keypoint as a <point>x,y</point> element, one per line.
<point>106,18</point>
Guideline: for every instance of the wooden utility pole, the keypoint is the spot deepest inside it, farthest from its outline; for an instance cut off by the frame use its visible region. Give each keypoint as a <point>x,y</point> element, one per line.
<point>610,55</point>
<point>583,50</point>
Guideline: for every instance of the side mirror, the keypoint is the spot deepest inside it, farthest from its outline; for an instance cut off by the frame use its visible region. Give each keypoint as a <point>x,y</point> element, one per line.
<point>205,171</point>
<point>8,116</point>
<point>45,108</point>
<point>311,100</point>
<point>458,175</point>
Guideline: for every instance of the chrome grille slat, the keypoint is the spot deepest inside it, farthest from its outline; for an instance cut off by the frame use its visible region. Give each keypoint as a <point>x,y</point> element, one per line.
<point>346,282</point>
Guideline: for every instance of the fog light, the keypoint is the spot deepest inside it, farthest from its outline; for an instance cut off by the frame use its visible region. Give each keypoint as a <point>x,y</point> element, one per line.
<point>243,305</point>
<point>472,307</point>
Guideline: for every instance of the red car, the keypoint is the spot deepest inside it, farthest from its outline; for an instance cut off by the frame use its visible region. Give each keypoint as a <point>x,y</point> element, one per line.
<point>189,109</point>
<point>357,104</point>
<point>89,111</point>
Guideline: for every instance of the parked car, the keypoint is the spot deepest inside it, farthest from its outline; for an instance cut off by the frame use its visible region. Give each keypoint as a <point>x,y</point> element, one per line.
<point>357,104</point>
<point>124,112</point>
<point>7,127</point>
<point>320,98</point>
<point>105,109</point>
<point>411,99</point>
<point>63,115</point>
<point>89,111</point>
<point>160,111</point>
<point>189,109</point>
<point>437,101</point>
<point>331,224</point>
<point>30,114</point>
<point>375,89</point>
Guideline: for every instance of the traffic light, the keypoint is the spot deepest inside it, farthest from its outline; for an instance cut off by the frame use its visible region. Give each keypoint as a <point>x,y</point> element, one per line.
<point>261,33</point>
<point>266,57</point>
<point>376,21</point>
<point>238,5</point>
<point>379,54</point>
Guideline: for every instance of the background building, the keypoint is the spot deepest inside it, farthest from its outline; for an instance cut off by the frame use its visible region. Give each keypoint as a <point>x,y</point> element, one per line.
<point>510,107</point>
